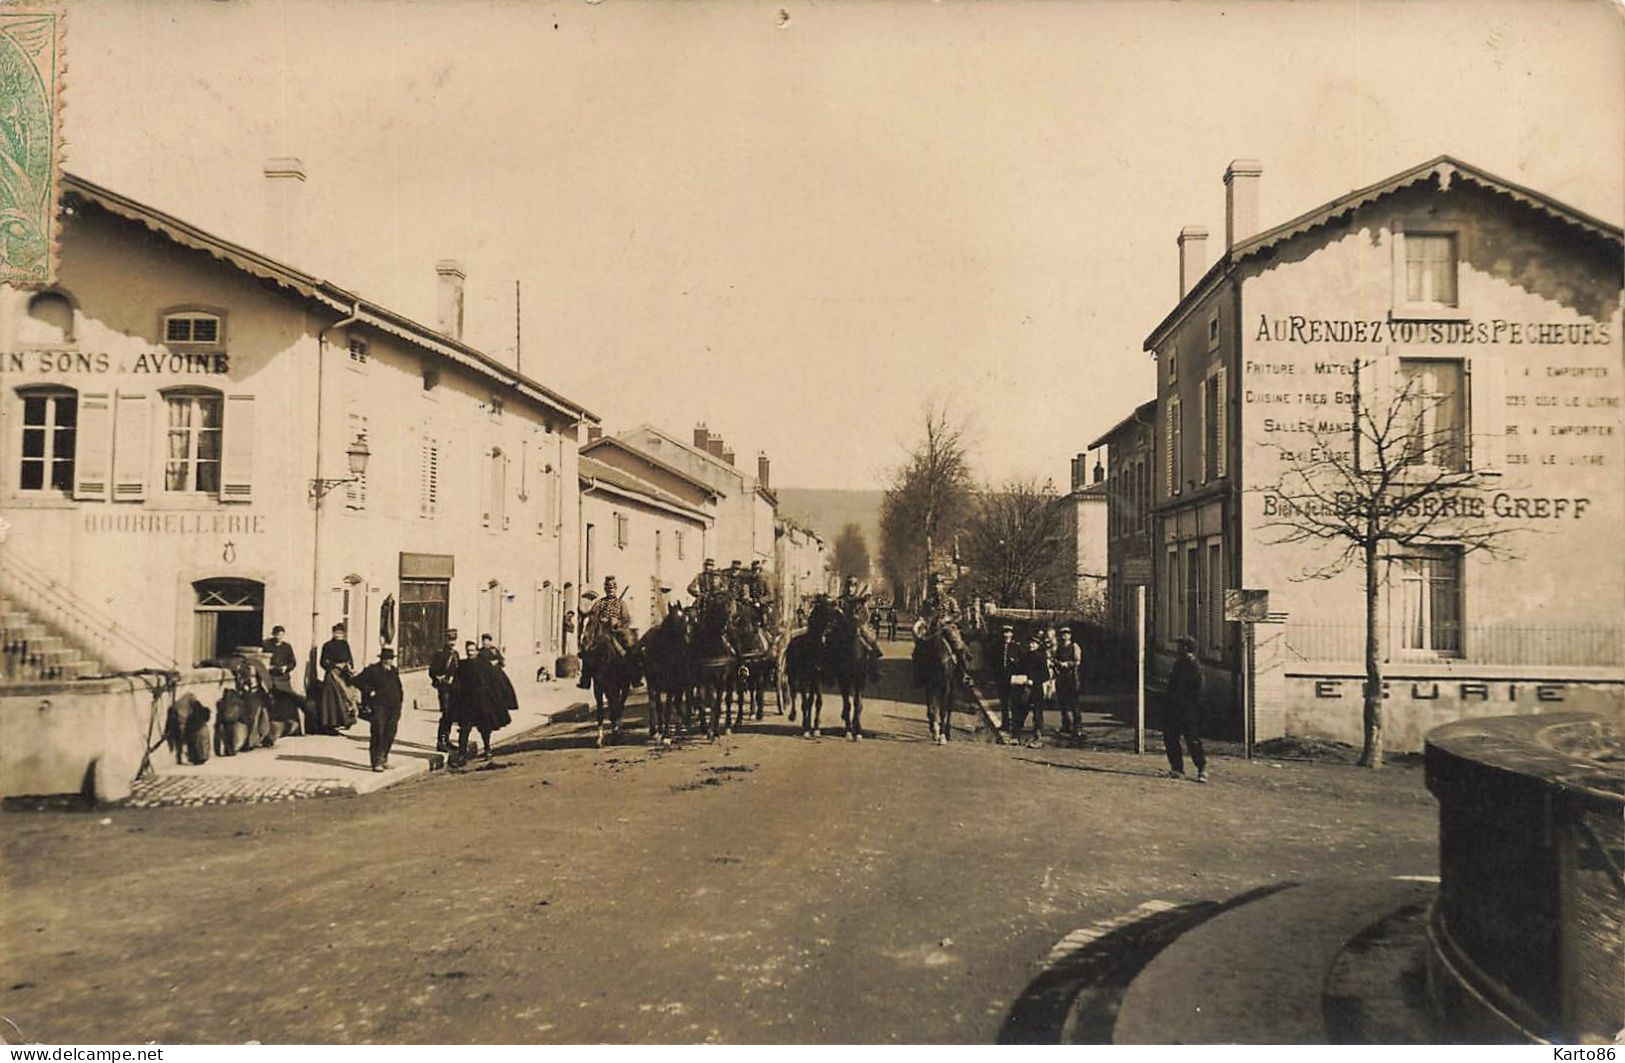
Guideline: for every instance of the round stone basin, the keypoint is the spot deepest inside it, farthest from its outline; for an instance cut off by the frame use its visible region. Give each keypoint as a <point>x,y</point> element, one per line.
<point>1526,935</point>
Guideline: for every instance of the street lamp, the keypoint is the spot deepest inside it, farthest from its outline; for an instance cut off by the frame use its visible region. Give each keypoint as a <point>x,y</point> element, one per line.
<point>357,453</point>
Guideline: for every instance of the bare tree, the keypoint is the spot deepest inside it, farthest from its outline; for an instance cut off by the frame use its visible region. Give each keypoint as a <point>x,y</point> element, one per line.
<point>1397,477</point>
<point>928,498</point>
<point>1014,545</point>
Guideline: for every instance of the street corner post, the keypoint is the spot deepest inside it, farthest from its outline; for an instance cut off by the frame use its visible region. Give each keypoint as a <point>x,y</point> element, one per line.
<point>31,73</point>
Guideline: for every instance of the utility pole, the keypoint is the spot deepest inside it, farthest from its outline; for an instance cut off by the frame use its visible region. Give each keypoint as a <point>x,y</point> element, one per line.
<point>518,358</point>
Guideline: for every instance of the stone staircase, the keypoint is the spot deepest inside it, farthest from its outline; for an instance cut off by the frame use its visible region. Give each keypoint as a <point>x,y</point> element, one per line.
<point>33,651</point>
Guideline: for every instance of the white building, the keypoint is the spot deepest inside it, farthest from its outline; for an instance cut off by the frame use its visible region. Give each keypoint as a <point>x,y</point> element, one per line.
<point>176,424</point>
<point>644,536</point>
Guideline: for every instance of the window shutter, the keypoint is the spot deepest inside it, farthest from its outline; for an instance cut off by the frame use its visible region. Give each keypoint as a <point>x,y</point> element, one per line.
<point>1170,411</point>
<point>93,446</point>
<point>487,494</point>
<point>1486,412</point>
<point>1222,427</point>
<point>130,449</point>
<point>428,478</point>
<point>237,450</point>
<point>1201,430</point>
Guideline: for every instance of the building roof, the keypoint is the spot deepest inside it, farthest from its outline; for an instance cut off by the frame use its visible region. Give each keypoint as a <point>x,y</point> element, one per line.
<point>668,437</point>
<point>617,443</point>
<point>1145,413</point>
<point>1444,169</point>
<point>1094,490</point>
<point>335,298</point>
<point>621,482</point>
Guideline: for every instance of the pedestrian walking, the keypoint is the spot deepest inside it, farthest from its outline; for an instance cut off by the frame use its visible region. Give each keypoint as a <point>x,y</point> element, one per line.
<point>489,651</point>
<point>1182,713</point>
<point>483,699</point>
<point>380,687</point>
<point>336,707</point>
<point>1069,682</point>
<point>891,622</point>
<point>443,674</point>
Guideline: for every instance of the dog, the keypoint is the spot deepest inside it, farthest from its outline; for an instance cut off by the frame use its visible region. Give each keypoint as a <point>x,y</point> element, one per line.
<point>543,675</point>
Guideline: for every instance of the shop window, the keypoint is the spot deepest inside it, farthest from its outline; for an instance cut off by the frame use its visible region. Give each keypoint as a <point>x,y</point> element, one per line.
<point>193,327</point>
<point>229,614</point>
<point>1430,601</point>
<point>424,609</point>
<point>1435,421</point>
<point>50,436</point>
<point>193,438</point>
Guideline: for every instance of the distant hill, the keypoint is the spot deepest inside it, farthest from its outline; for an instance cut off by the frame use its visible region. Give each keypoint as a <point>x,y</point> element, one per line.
<point>826,512</point>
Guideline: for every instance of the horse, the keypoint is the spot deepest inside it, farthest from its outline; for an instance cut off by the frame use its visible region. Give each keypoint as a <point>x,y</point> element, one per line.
<point>757,660</point>
<point>666,652</point>
<point>801,655</point>
<point>716,661</point>
<point>938,670</point>
<point>614,671</point>
<point>844,660</point>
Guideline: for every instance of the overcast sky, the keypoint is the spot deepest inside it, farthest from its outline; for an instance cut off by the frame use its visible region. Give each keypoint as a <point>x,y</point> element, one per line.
<point>795,220</point>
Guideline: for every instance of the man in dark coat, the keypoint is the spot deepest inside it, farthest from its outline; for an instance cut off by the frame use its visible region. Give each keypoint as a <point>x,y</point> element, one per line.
<point>1068,681</point>
<point>488,650</point>
<point>483,699</point>
<point>1182,713</point>
<point>1035,665</point>
<point>288,705</point>
<point>443,673</point>
<point>336,707</point>
<point>380,686</point>
<point>1007,658</point>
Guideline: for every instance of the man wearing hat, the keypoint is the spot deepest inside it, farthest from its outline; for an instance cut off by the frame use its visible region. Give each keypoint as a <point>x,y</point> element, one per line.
<point>1182,713</point>
<point>855,603</point>
<point>286,702</point>
<point>734,581</point>
<point>608,628</point>
<point>1008,657</point>
<point>443,673</point>
<point>757,591</point>
<point>707,583</point>
<point>380,686</point>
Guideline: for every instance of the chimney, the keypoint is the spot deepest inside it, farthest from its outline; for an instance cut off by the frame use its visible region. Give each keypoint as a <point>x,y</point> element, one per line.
<point>284,185</point>
<point>728,455</point>
<point>1077,471</point>
<point>594,433</point>
<point>1100,472</point>
<point>762,467</point>
<point>713,444</point>
<point>449,298</point>
<point>1192,256</point>
<point>1241,200</point>
<point>701,435</point>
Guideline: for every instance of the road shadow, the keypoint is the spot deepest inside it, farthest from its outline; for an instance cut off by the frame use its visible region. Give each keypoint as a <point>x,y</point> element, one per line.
<point>1087,985</point>
<point>332,762</point>
<point>1152,773</point>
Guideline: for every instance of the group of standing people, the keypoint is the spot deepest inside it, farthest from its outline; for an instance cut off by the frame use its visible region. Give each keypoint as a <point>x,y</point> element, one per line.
<point>474,691</point>
<point>1044,671</point>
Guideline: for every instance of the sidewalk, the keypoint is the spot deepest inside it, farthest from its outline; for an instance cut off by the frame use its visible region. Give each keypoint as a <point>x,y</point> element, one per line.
<point>328,765</point>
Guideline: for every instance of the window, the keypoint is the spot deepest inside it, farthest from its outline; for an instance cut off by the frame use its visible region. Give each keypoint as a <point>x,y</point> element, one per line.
<point>496,489</point>
<point>192,453</point>
<point>1430,601</point>
<point>228,614</point>
<point>358,351</point>
<point>1435,429</point>
<point>355,492</point>
<point>1213,425</point>
<point>429,478</point>
<point>50,431</point>
<point>1173,363</point>
<point>424,609</point>
<point>192,327</point>
<point>1215,598</point>
<point>1430,269</point>
<point>623,532</point>
<point>494,407</point>
<point>1213,330</point>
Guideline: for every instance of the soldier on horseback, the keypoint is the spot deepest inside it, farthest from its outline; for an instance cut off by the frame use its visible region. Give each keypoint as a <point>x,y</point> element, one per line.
<point>608,627</point>
<point>941,615</point>
<point>855,604</point>
<point>708,582</point>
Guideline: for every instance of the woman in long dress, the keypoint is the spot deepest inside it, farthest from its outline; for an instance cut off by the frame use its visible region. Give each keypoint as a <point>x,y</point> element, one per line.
<point>484,700</point>
<point>336,707</point>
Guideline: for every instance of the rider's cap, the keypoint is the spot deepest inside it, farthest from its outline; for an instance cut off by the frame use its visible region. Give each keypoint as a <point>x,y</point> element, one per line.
<point>279,630</point>
<point>451,633</point>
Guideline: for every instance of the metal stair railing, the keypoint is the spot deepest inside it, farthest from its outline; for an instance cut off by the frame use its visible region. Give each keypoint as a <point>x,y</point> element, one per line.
<point>113,645</point>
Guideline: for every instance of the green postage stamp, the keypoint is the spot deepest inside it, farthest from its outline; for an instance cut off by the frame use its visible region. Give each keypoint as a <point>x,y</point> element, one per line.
<point>30,141</point>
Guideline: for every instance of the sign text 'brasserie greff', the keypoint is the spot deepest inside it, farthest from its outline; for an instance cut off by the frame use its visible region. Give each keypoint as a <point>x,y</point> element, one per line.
<point>1298,328</point>
<point>170,362</point>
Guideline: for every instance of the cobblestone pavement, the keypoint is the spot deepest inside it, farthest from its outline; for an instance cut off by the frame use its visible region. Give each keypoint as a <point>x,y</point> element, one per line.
<point>160,791</point>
